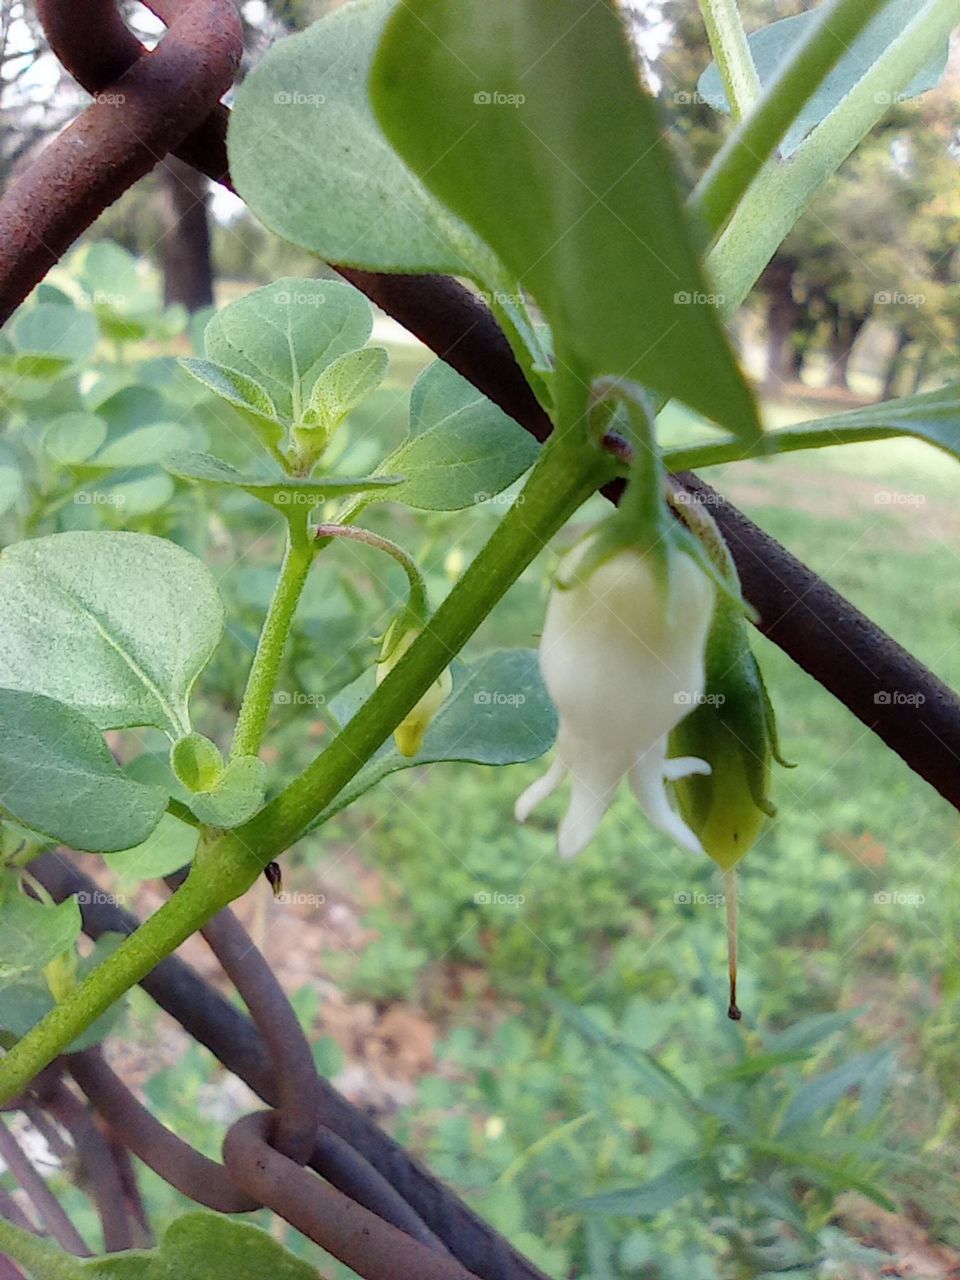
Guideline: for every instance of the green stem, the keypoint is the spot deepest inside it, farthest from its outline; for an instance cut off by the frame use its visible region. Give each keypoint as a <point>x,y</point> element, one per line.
<point>418,588</point>
<point>748,149</point>
<point>262,680</point>
<point>712,453</point>
<point>564,477</point>
<point>728,41</point>
<point>220,873</point>
<point>781,192</point>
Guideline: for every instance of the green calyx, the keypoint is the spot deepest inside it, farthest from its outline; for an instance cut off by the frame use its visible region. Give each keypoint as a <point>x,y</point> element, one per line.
<point>734,730</point>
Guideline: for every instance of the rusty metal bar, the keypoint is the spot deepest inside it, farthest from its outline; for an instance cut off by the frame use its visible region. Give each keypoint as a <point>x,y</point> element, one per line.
<point>98,1169</point>
<point>300,1099</point>
<point>193,1174</point>
<point>48,1207</point>
<point>215,1023</point>
<point>353,1234</point>
<point>116,140</point>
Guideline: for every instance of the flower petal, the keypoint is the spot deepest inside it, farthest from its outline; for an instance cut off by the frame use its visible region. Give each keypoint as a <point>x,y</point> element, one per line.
<point>647,777</point>
<point>539,790</point>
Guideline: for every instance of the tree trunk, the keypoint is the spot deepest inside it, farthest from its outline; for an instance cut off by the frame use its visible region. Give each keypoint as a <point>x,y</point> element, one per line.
<point>845,328</point>
<point>783,313</point>
<point>185,247</point>
<point>895,365</point>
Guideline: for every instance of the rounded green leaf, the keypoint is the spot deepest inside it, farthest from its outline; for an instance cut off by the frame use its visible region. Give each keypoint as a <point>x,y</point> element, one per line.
<point>72,438</point>
<point>499,713</point>
<point>196,762</point>
<point>462,448</point>
<point>308,157</point>
<point>58,777</point>
<point>33,933</point>
<point>117,625</point>
<point>144,446</point>
<point>284,492</point>
<point>218,1248</point>
<point>51,339</point>
<point>169,846</point>
<point>235,796</point>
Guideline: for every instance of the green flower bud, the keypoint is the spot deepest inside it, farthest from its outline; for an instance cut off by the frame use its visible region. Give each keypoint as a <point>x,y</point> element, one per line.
<point>410,732</point>
<point>734,730</point>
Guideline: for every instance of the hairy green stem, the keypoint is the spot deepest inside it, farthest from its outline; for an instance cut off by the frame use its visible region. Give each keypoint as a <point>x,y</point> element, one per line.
<point>728,42</point>
<point>748,149</point>
<point>262,680</point>
<point>781,191</point>
<point>566,474</point>
<point>220,873</point>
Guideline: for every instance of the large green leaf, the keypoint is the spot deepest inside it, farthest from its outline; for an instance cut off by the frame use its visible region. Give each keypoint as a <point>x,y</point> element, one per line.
<point>32,933</point>
<point>279,491</point>
<point>196,1245</point>
<point>218,1248</point>
<point>283,336</point>
<point>498,713</point>
<point>774,44</point>
<point>462,448</point>
<point>117,625</point>
<point>57,776</point>
<point>310,160</point>
<point>527,119</point>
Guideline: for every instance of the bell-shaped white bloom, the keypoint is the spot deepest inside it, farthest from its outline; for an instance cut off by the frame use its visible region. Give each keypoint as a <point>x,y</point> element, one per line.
<point>623,663</point>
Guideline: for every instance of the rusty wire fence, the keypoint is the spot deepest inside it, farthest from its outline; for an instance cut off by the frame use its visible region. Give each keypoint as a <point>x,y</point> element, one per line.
<point>311,1157</point>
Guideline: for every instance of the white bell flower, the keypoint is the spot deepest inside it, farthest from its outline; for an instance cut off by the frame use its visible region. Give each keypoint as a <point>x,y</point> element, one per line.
<point>623,663</point>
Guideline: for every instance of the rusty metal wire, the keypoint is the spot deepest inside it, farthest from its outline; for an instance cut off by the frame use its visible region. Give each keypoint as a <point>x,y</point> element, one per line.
<point>359,1238</point>
<point>48,1207</point>
<point>193,1174</point>
<point>352,1152</point>
<point>98,1170</point>
<point>373,1206</point>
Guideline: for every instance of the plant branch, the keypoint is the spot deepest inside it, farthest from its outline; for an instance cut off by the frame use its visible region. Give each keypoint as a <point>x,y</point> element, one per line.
<point>262,680</point>
<point>781,192</point>
<point>712,453</point>
<point>418,587</point>
<point>728,42</point>
<point>748,149</point>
